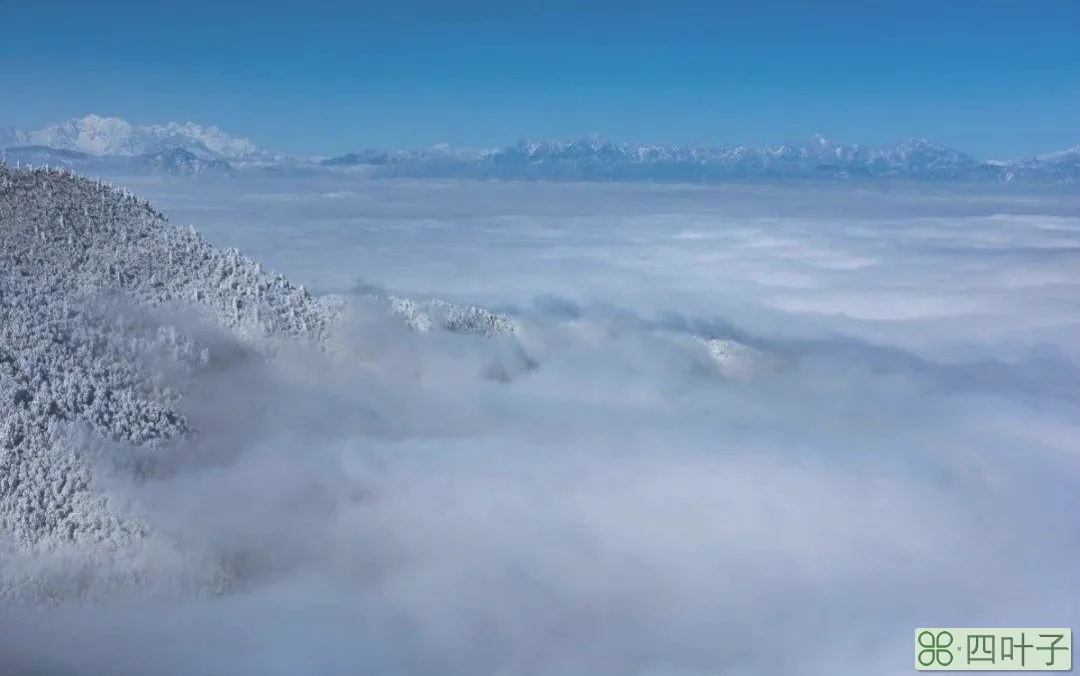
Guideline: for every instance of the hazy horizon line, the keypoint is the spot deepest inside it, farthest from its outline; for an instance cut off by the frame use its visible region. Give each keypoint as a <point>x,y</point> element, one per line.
<point>521,138</point>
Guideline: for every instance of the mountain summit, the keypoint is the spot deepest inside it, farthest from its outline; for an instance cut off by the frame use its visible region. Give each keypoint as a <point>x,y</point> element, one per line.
<point>109,146</point>
<point>97,135</point>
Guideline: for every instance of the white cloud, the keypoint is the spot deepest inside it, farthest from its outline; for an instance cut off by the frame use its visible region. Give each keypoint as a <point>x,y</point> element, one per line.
<point>617,510</point>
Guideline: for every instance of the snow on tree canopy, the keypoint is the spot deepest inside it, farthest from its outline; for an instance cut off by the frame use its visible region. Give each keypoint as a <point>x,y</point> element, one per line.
<point>108,314</point>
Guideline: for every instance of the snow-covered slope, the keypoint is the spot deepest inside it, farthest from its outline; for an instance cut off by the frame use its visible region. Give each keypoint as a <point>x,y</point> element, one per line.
<point>1063,166</point>
<point>90,275</point>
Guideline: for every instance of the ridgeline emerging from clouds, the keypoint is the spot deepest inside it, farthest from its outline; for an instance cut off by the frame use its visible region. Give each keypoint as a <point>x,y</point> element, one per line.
<point>109,146</point>
<point>112,324</point>
<point>123,339</point>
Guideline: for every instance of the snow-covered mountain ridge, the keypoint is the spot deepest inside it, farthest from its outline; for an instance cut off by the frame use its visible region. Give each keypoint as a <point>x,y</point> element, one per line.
<point>594,159</point>
<point>97,135</point>
<point>111,146</point>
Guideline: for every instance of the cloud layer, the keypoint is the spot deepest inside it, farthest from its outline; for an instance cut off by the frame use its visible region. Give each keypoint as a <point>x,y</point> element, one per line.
<point>908,459</point>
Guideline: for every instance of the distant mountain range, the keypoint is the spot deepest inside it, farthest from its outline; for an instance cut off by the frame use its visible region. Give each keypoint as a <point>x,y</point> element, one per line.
<point>111,146</point>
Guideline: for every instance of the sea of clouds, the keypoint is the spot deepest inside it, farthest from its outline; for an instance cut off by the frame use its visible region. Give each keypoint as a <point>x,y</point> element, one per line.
<point>912,458</point>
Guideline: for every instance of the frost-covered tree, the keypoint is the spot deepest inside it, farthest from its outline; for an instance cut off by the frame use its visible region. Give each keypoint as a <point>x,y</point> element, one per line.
<point>101,304</point>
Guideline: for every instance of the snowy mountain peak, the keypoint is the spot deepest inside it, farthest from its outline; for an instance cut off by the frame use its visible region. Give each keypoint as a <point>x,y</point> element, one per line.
<point>1067,154</point>
<point>101,145</point>
<point>100,135</point>
<point>92,134</point>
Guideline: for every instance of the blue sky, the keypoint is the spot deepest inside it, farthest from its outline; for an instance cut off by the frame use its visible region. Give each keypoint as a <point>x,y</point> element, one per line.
<point>993,78</point>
